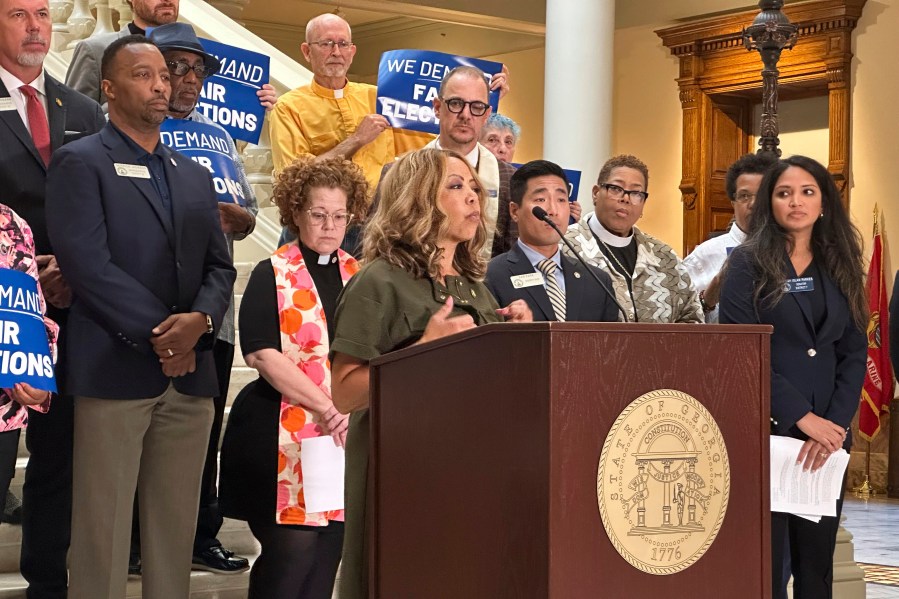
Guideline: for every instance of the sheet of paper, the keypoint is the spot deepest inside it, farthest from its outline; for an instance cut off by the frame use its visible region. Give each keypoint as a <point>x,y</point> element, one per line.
<point>323,467</point>
<point>801,492</point>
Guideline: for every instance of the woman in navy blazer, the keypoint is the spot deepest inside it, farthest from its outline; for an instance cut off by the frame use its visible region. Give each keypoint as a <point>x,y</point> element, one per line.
<point>801,270</point>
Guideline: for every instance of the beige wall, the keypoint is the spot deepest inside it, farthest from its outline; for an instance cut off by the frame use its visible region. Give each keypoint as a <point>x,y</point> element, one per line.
<point>875,126</point>
<point>647,123</point>
<point>524,104</point>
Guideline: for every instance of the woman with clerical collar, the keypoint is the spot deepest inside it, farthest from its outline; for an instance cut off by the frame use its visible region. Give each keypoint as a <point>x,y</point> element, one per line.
<point>649,279</point>
<point>286,327</point>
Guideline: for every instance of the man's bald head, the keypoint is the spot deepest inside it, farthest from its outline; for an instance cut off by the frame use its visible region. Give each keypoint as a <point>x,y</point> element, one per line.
<point>325,20</point>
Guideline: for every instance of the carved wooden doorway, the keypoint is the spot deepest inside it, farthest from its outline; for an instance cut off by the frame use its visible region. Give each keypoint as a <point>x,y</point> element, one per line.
<point>720,81</point>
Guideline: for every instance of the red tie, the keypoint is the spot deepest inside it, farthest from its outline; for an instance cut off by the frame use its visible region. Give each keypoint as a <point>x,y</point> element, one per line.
<point>37,122</point>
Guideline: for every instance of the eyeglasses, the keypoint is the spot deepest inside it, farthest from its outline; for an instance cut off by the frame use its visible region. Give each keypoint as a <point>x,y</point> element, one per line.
<point>743,197</point>
<point>180,69</point>
<point>616,193</point>
<point>329,45</point>
<point>457,105</point>
<point>340,220</point>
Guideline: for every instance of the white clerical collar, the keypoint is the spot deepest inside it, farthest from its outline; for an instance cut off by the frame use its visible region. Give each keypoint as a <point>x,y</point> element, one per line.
<point>607,236</point>
<point>472,157</point>
<point>14,83</point>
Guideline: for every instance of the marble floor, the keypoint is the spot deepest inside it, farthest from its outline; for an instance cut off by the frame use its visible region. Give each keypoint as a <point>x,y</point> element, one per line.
<point>874,525</point>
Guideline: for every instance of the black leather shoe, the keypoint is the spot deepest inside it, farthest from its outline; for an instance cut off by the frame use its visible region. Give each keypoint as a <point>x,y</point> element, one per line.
<point>133,565</point>
<point>218,559</point>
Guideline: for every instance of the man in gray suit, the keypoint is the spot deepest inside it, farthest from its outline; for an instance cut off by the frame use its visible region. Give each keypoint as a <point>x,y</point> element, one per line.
<point>84,70</point>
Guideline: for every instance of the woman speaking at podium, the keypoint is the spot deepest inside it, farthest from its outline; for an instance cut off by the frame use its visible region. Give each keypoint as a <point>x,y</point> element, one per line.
<point>422,280</point>
<point>801,270</point>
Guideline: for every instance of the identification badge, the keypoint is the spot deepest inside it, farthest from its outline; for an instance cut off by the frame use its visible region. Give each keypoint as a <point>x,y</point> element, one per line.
<point>531,279</point>
<point>137,171</point>
<point>6,104</point>
<point>799,285</point>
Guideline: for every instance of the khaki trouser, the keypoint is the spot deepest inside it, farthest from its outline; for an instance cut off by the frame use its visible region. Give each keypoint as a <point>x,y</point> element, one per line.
<point>158,447</point>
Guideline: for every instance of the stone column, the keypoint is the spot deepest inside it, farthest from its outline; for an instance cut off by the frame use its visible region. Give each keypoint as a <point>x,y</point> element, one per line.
<point>104,18</point>
<point>124,13</point>
<point>81,22</point>
<point>577,127</point>
<point>60,10</point>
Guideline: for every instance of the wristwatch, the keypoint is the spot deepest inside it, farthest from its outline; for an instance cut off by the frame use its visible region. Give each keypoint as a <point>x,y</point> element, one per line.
<point>705,307</point>
<point>209,328</point>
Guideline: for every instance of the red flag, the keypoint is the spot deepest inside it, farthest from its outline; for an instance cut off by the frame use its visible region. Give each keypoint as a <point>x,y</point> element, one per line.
<point>877,390</point>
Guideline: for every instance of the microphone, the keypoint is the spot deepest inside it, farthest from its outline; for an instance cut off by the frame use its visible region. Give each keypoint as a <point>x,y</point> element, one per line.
<point>541,214</point>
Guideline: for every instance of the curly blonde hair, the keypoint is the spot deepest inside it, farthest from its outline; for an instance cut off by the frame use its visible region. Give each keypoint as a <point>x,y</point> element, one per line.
<point>408,223</point>
<point>297,180</point>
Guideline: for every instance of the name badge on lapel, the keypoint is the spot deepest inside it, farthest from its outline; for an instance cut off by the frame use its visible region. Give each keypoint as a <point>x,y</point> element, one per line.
<point>799,285</point>
<point>6,104</point>
<point>137,171</point>
<point>531,279</point>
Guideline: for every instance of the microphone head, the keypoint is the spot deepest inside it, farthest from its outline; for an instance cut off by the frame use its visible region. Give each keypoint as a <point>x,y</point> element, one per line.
<point>539,213</point>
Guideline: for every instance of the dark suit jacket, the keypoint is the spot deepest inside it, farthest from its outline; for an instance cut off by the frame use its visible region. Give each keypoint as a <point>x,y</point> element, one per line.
<point>584,299</point>
<point>506,229</point>
<point>23,175</point>
<point>130,264</point>
<point>813,371</point>
<point>22,172</point>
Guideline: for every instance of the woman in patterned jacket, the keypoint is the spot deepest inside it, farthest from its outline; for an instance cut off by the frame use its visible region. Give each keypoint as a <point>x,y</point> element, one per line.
<point>650,281</point>
<point>17,253</point>
<point>286,325</point>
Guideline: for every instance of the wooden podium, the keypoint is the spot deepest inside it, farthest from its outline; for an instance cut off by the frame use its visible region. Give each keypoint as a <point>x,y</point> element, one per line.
<point>485,447</point>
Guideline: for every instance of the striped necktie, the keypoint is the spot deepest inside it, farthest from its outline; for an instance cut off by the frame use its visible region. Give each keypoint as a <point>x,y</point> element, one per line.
<point>555,293</point>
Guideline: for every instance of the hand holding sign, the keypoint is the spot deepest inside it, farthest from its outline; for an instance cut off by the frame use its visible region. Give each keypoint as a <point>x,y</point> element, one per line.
<point>409,82</point>
<point>25,355</point>
<point>27,395</point>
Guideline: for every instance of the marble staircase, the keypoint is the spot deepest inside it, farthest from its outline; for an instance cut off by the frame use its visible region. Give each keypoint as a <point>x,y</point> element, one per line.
<point>235,535</point>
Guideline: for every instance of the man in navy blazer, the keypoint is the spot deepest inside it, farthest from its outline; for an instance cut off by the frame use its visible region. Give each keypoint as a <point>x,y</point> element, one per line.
<point>137,235</point>
<point>524,271</point>
<point>24,42</point>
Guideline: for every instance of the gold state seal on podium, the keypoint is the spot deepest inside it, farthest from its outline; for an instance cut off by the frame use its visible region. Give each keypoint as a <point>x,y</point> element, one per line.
<point>663,482</point>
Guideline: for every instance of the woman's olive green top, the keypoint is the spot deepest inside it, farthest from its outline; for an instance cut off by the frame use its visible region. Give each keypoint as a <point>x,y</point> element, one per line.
<point>384,308</point>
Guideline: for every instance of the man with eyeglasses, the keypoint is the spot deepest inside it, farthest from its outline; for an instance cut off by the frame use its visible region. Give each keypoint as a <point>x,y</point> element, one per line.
<point>332,116</point>
<point>704,263</point>
<point>463,109</point>
<point>649,280</point>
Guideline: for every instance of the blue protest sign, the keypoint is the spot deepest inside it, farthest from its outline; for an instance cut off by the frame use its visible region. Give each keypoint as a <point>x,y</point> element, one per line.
<point>209,146</point>
<point>24,349</point>
<point>408,83</point>
<point>229,97</point>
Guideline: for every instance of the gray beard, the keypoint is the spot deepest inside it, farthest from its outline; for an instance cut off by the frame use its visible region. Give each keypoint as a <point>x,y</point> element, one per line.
<point>31,59</point>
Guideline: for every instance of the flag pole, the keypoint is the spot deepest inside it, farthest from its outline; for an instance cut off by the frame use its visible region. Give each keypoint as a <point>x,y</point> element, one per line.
<point>866,490</point>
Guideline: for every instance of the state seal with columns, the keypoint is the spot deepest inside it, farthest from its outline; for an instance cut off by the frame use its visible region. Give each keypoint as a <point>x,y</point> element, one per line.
<point>663,482</point>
